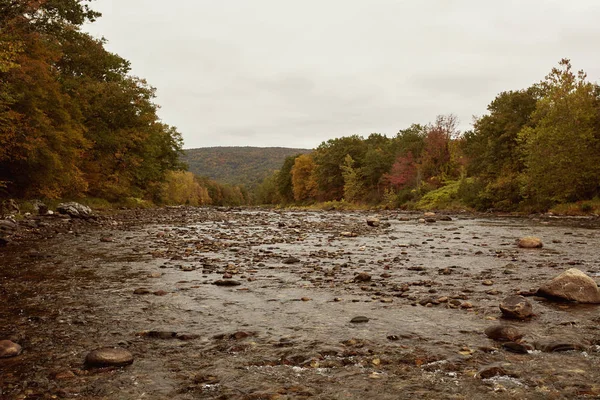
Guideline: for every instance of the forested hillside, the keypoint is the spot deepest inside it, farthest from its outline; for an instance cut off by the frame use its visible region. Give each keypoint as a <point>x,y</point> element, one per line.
<point>247,166</point>
<point>73,121</point>
<point>536,148</point>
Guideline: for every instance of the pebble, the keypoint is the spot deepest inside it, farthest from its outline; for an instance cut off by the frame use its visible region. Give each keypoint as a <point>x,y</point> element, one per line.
<point>359,320</point>
<point>142,291</point>
<point>9,349</point>
<point>109,357</point>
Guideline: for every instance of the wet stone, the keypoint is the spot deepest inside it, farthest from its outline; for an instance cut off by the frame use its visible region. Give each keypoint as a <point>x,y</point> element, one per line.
<point>517,307</point>
<point>9,349</point>
<point>372,221</point>
<point>515,347</point>
<point>491,370</point>
<point>226,282</point>
<point>503,333</point>
<point>554,346</point>
<point>359,320</point>
<point>109,357</point>
<point>161,334</point>
<point>573,285</point>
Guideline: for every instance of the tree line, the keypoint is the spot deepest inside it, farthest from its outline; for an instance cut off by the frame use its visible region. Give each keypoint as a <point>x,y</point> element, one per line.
<point>73,121</point>
<point>535,148</point>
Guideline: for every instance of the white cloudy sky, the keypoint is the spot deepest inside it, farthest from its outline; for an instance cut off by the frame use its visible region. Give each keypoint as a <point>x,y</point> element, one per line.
<point>295,73</point>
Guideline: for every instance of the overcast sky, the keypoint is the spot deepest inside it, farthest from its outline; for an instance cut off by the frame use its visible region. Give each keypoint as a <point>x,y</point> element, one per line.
<point>296,73</point>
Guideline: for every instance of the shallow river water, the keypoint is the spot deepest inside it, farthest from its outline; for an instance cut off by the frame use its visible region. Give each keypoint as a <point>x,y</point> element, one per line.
<point>428,292</point>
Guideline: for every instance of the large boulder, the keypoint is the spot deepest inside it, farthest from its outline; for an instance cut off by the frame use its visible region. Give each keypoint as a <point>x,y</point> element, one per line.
<point>75,210</point>
<point>573,285</point>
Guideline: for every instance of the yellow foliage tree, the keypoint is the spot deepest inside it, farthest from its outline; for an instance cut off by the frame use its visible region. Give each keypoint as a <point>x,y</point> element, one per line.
<point>304,182</point>
<point>181,187</point>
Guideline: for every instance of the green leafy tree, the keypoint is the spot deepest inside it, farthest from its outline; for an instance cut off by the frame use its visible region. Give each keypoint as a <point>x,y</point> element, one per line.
<point>353,180</point>
<point>562,149</point>
<point>329,157</point>
<point>283,182</point>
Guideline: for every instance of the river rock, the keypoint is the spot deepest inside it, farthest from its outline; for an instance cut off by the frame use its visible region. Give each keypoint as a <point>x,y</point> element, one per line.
<point>503,333</point>
<point>362,277</point>
<point>372,221</point>
<point>9,349</point>
<point>530,242</point>
<point>518,348</point>
<point>552,346</point>
<point>491,370</point>
<point>573,285</point>
<point>517,307</point>
<point>109,357</point>
<point>9,207</point>
<point>40,207</point>
<point>75,210</point>
<point>8,226</point>
<point>226,282</point>
<point>160,334</point>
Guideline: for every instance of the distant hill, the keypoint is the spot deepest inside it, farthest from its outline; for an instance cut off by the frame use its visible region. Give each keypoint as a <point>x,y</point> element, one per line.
<point>247,166</point>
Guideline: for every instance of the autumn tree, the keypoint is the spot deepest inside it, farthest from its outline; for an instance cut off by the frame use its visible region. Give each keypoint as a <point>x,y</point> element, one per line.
<point>436,157</point>
<point>303,178</point>
<point>72,121</point>
<point>404,172</point>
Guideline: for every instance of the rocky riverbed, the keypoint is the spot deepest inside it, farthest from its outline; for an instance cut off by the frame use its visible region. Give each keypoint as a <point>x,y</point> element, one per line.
<point>258,304</point>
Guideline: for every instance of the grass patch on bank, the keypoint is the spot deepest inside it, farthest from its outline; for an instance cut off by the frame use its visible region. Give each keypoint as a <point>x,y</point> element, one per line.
<point>444,198</point>
<point>585,207</point>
